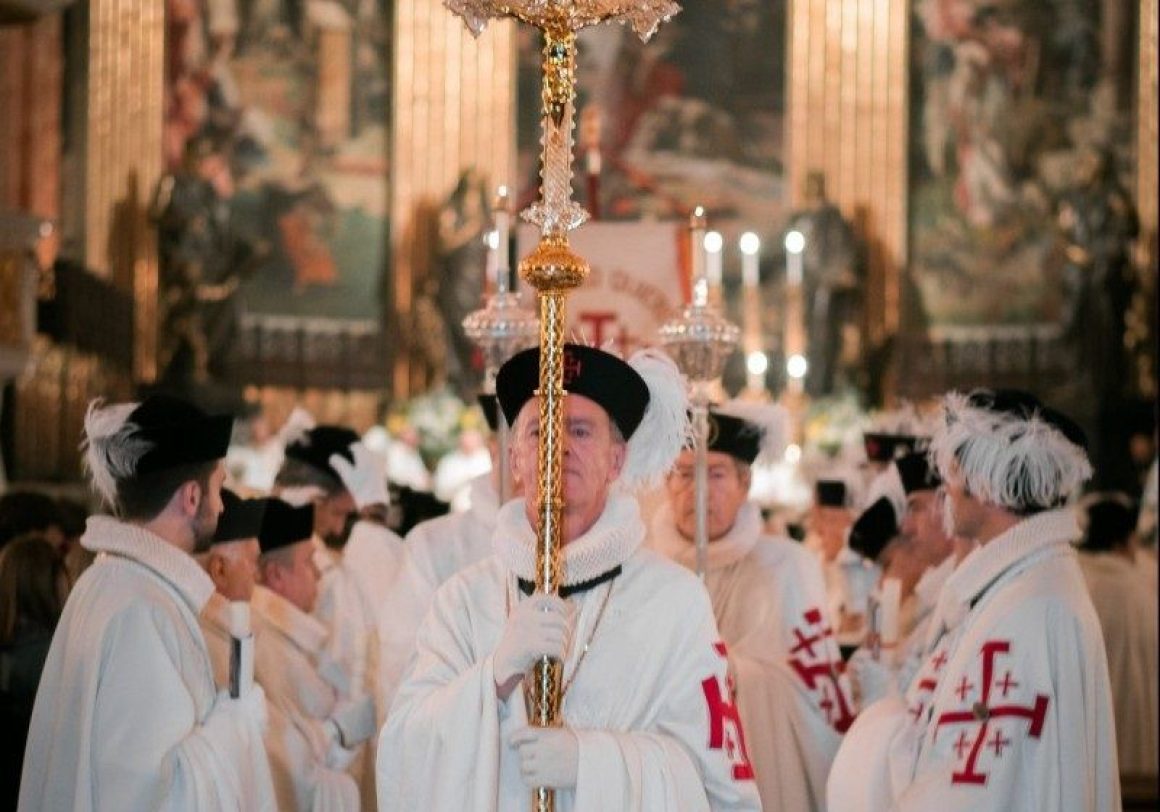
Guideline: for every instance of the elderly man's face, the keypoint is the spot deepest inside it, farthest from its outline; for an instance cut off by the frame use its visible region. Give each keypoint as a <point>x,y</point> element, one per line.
<point>728,489</point>
<point>593,457</point>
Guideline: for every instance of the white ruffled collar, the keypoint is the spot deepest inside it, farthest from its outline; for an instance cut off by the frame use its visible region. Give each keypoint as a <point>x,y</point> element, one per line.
<point>720,553</point>
<point>104,534</point>
<point>610,542</point>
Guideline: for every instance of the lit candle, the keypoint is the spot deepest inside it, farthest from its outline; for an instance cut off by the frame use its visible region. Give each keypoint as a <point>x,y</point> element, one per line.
<point>697,248</point>
<point>491,275</point>
<point>750,245</point>
<point>502,229</point>
<point>889,609</point>
<point>713,250</point>
<point>795,243</point>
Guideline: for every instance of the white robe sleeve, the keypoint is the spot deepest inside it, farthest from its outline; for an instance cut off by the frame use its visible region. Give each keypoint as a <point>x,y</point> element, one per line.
<point>439,749</point>
<point>696,757</point>
<point>402,611</point>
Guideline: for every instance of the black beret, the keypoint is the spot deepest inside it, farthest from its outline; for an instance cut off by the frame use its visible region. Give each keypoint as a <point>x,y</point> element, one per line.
<point>179,433</point>
<point>883,447</point>
<point>241,518</point>
<point>1024,405</point>
<point>283,525</point>
<point>874,529</point>
<point>830,493</point>
<point>916,473</point>
<point>490,407</point>
<point>734,436</point>
<point>319,444</point>
<point>597,375</point>
<point>1111,520</point>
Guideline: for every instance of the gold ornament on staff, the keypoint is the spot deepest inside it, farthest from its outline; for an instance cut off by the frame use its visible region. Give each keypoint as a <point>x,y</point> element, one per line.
<point>554,270</point>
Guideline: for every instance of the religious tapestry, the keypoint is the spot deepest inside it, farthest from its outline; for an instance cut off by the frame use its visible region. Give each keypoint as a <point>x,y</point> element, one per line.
<point>276,143</point>
<point>1021,147</point>
<point>695,116</point>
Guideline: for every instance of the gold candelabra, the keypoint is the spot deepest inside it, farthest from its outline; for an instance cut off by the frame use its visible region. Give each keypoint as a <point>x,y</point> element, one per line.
<point>554,270</point>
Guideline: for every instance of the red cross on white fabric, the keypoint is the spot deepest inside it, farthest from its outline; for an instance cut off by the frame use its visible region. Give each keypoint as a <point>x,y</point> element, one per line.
<point>939,660</point>
<point>985,713</point>
<point>725,731</point>
<point>819,670</point>
<point>925,686</point>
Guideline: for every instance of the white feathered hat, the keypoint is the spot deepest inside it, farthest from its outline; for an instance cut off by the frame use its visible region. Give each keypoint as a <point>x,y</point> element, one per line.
<point>1009,449</point>
<point>752,432</point>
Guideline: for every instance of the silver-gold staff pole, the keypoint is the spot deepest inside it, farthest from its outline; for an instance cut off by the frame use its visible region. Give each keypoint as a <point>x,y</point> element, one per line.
<point>700,340</point>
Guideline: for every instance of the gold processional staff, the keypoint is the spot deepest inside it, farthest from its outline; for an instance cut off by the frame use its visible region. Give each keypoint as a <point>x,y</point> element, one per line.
<point>553,269</point>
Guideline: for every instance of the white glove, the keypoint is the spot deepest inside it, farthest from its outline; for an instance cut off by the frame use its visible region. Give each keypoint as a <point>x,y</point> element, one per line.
<point>875,679</point>
<point>549,756</point>
<point>355,720</point>
<point>366,478</point>
<point>251,704</point>
<point>537,626</point>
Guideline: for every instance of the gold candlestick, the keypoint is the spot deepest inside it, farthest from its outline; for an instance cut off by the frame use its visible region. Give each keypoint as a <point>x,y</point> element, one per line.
<point>554,270</point>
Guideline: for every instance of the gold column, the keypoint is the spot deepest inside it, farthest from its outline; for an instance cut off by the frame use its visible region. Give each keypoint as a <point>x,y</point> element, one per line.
<point>1142,319</point>
<point>454,107</point>
<point>124,160</point>
<point>847,117</point>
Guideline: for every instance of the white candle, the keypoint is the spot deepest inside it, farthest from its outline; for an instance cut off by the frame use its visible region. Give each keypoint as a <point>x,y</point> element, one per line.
<point>889,609</point>
<point>491,275</point>
<point>795,243</point>
<point>750,246</point>
<point>239,618</point>
<point>502,230</point>
<point>713,251</point>
<point>697,247</point>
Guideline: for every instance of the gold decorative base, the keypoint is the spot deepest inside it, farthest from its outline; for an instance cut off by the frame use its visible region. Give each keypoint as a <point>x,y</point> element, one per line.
<point>553,267</point>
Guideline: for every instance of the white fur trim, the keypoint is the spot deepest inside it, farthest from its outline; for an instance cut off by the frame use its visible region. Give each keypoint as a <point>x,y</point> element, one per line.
<point>110,452</point>
<point>1016,463</point>
<point>770,419</point>
<point>662,433</point>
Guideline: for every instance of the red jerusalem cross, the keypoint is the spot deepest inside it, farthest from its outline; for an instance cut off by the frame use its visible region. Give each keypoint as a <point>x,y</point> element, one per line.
<point>725,723</point>
<point>814,669</point>
<point>983,711</point>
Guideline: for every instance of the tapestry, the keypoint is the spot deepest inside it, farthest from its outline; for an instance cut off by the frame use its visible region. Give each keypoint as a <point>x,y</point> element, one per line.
<point>693,117</point>
<point>1021,127</point>
<point>283,105</point>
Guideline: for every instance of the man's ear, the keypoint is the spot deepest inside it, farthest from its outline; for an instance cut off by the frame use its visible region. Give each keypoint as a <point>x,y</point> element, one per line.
<point>215,567</point>
<point>189,497</point>
<point>619,454</point>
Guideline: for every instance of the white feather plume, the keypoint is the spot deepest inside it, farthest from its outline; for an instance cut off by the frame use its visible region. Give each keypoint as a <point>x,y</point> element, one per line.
<point>1021,464</point>
<point>110,451</point>
<point>887,483</point>
<point>296,427</point>
<point>664,430</point>
<point>771,420</point>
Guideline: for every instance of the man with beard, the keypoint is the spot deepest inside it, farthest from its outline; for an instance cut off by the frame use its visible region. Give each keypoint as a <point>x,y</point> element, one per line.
<point>648,720</point>
<point>127,716</point>
<point>1011,709</point>
<point>769,599</point>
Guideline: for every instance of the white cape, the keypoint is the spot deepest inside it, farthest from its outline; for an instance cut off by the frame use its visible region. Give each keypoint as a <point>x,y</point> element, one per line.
<point>1126,604</point>
<point>768,597</point>
<point>651,736</point>
<point>127,716</point>
<point>1011,710</point>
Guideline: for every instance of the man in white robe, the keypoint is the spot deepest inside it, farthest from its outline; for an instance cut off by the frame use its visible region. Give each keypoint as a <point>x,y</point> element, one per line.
<point>436,549</point>
<point>1012,709</point>
<point>649,721</point>
<point>127,715</point>
<point>315,733</point>
<point>770,604</point>
<point>1126,603</point>
<point>346,483</point>
<point>232,565</point>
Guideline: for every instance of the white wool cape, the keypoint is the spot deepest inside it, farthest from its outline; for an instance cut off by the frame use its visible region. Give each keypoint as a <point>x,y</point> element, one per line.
<point>638,705</point>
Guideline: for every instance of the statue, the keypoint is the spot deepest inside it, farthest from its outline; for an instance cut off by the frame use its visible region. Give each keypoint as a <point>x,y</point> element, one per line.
<point>203,261</point>
<point>832,275</point>
<point>459,269</point>
<point>1097,223</point>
